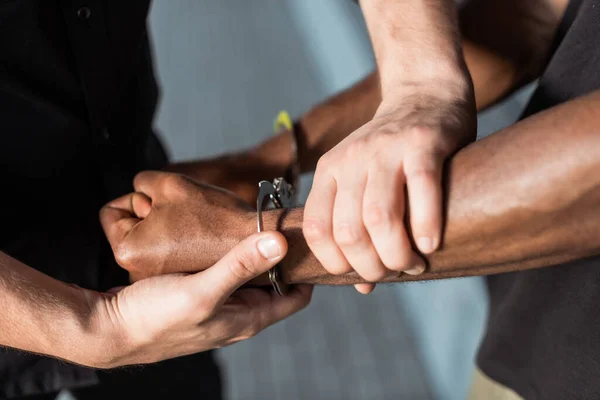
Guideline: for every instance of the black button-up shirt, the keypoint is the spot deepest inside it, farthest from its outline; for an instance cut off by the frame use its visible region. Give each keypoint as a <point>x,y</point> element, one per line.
<point>77,98</point>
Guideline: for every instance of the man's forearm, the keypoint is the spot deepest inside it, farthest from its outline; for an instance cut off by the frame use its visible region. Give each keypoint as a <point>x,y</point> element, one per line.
<point>498,59</point>
<point>525,197</point>
<point>42,315</point>
<point>416,43</point>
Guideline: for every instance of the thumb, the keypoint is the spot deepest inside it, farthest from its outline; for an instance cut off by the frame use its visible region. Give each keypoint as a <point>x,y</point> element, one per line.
<point>120,216</point>
<point>251,257</point>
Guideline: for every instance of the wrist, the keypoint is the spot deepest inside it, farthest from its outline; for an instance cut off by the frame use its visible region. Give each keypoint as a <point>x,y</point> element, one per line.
<point>447,85</point>
<point>104,342</point>
<point>448,112</point>
<point>417,42</point>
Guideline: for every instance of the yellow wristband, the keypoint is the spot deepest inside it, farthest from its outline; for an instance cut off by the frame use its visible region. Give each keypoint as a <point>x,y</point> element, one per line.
<point>283,122</point>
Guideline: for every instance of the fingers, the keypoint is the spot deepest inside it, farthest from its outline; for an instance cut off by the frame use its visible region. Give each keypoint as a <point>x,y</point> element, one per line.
<point>250,258</point>
<point>284,306</point>
<point>424,183</point>
<point>150,182</point>
<point>318,227</point>
<point>120,216</point>
<point>118,222</point>
<point>383,214</point>
<point>141,204</point>
<point>364,288</point>
<point>349,230</point>
<point>250,311</point>
<point>273,308</point>
<point>137,204</point>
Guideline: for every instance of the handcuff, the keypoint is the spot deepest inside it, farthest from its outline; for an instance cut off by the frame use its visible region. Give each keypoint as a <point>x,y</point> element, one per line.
<point>281,193</point>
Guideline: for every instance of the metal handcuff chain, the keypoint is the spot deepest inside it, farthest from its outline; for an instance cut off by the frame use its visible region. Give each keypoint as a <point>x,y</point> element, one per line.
<point>281,194</point>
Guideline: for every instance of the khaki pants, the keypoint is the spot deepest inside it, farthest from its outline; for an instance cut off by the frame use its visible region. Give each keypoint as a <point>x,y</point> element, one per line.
<point>484,388</point>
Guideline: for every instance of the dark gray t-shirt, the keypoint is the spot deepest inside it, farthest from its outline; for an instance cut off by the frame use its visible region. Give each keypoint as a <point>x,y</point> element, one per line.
<point>543,335</point>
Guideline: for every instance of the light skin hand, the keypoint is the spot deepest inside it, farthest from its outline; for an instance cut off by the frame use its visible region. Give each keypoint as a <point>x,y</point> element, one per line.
<point>505,43</point>
<point>354,218</point>
<point>155,319</point>
<point>500,214</point>
<point>173,315</point>
<point>45,316</point>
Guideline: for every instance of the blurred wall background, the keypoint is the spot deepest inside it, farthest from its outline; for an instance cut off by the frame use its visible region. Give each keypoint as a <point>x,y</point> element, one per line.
<point>225,68</point>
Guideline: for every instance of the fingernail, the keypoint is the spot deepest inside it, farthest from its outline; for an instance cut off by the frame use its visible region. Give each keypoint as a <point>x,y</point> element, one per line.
<point>418,270</point>
<point>269,248</point>
<point>425,244</point>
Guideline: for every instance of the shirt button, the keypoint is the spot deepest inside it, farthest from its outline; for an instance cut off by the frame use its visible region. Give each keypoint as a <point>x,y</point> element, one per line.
<point>84,13</point>
<point>105,134</point>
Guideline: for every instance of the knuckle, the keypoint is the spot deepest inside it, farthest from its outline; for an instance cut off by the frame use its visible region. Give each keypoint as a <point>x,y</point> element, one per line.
<point>105,220</point>
<point>104,210</point>
<point>421,131</point>
<point>176,186</point>
<point>389,129</point>
<point>426,137</point>
<point>126,256</point>
<point>315,230</point>
<point>323,164</point>
<point>381,139</point>
<point>355,150</point>
<point>376,215</point>
<point>139,176</point>
<point>242,265</point>
<point>399,261</point>
<point>173,183</point>
<point>348,234</point>
<point>425,167</point>
<point>380,160</point>
<point>187,302</point>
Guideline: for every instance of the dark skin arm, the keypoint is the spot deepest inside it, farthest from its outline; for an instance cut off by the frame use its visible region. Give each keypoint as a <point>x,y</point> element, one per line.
<point>507,43</point>
<point>525,197</point>
<point>490,65</point>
